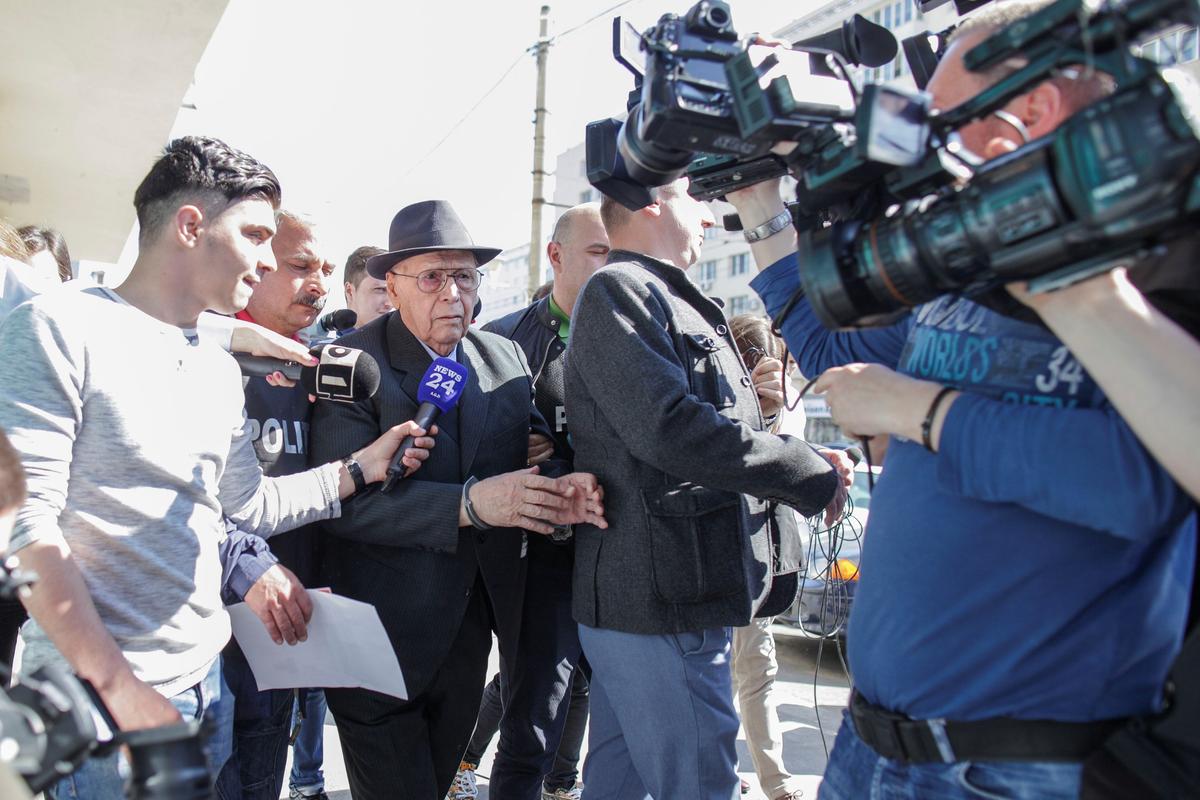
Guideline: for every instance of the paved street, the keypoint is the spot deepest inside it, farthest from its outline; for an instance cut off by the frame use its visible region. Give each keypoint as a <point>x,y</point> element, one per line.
<point>803,752</point>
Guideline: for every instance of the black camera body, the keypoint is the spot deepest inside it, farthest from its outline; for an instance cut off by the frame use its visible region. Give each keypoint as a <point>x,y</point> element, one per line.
<point>698,108</point>
<point>48,725</point>
<point>893,213</point>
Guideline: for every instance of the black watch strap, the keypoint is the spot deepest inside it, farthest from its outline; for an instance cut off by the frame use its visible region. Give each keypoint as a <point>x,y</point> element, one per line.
<point>356,473</point>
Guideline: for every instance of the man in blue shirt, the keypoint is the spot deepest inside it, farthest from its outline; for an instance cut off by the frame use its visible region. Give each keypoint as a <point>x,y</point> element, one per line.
<point>1025,576</point>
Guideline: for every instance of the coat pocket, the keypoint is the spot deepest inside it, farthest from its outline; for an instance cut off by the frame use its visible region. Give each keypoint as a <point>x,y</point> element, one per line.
<point>706,377</point>
<point>696,547</point>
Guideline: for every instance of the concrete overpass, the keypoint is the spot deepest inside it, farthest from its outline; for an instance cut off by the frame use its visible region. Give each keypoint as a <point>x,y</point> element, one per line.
<point>88,95</point>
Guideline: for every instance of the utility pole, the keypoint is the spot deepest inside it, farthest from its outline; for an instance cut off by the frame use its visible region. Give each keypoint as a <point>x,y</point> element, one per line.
<point>539,147</point>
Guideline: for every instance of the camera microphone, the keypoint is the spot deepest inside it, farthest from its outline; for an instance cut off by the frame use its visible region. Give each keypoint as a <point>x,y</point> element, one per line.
<point>441,388</point>
<point>338,321</point>
<point>342,373</point>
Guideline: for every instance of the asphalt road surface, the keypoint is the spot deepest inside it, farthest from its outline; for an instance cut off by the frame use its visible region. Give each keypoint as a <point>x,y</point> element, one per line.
<point>799,702</point>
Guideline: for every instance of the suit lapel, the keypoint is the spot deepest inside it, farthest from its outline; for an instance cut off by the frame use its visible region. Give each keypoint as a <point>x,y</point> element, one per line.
<point>406,356</point>
<point>473,408</point>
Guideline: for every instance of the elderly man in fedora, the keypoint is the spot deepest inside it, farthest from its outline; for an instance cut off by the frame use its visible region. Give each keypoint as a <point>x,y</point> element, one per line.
<point>440,555</point>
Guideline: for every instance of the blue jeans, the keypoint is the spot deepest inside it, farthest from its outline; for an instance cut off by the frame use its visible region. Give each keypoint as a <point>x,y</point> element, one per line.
<point>104,778</point>
<point>308,752</point>
<point>663,723</point>
<point>261,727</point>
<point>856,772</point>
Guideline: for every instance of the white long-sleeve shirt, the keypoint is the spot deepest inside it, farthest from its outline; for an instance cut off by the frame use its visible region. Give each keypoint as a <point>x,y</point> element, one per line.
<point>130,432</point>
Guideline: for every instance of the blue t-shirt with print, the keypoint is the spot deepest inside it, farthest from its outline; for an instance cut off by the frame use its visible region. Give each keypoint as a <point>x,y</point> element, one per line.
<point>1038,566</point>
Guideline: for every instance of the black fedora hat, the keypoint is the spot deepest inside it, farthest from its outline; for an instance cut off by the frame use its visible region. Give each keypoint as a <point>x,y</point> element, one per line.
<point>426,227</point>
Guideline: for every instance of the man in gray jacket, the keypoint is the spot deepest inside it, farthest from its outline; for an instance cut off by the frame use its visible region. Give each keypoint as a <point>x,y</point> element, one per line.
<point>663,412</point>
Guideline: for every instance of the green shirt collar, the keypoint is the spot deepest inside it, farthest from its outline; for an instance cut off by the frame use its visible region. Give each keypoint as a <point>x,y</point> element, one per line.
<point>564,320</point>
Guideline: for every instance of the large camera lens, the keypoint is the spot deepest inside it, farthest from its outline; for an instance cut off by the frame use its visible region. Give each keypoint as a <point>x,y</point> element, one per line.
<point>862,274</point>
<point>648,163</point>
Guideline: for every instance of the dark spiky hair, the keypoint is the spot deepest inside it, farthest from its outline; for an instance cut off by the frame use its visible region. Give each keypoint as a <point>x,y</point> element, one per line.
<point>203,171</point>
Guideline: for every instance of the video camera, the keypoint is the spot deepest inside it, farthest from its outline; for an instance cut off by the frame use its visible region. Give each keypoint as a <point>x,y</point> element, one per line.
<point>892,212</point>
<point>51,722</point>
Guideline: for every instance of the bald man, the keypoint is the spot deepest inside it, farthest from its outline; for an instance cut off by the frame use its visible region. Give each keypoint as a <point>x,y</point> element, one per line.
<point>546,710</point>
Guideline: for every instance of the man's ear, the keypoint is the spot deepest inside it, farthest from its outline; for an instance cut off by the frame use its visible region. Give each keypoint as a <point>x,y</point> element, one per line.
<point>654,209</point>
<point>393,296</point>
<point>1044,109</point>
<point>187,225</point>
<point>554,255</point>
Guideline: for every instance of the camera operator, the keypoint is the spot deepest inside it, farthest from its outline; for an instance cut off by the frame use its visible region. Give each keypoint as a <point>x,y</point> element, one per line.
<point>1020,535</point>
<point>663,410</point>
<point>1147,365</point>
<point>130,431</point>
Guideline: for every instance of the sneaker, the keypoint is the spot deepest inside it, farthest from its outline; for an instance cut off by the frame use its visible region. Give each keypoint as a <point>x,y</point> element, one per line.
<point>464,787</point>
<point>573,792</point>
<point>296,794</point>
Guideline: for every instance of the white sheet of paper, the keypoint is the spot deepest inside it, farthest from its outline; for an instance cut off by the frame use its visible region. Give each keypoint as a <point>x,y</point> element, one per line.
<point>346,647</point>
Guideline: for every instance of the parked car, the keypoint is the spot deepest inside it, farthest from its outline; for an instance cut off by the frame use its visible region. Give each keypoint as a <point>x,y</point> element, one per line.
<point>832,556</point>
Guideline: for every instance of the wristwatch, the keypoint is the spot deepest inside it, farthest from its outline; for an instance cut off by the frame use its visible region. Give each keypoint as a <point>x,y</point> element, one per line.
<point>356,473</point>
<point>769,228</point>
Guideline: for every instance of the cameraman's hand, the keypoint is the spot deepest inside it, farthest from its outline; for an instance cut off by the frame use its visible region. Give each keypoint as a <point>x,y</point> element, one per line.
<point>870,399</point>
<point>135,705</point>
<point>279,600</point>
<point>1077,300</point>
<point>768,384</point>
<point>757,205</point>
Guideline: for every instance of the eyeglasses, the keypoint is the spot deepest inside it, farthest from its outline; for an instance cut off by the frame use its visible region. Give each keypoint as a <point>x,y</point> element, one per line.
<point>432,281</point>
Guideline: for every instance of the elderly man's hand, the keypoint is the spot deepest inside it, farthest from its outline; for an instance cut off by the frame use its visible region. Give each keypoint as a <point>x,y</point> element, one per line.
<point>279,600</point>
<point>524,499</point>
<point>540,449</point>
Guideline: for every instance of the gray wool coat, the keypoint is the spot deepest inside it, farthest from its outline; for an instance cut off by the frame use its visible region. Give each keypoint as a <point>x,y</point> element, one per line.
<point>662,410</point>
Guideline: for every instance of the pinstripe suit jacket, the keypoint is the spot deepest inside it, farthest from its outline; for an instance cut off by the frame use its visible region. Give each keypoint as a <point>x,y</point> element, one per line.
<point>403,551</point>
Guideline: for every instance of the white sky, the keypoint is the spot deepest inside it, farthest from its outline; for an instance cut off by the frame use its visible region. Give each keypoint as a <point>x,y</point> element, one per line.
<point>343,99</point>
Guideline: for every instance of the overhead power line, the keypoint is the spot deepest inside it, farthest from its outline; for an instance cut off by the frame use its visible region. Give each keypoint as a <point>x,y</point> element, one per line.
<point>531,50</point>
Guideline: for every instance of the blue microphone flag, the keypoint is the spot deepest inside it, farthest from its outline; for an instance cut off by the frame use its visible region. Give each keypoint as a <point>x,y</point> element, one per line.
<point>443,383</point>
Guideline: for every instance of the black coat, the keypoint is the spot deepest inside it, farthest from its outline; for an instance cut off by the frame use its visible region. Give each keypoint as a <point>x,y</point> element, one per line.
<point>663,412</point>
<point>404,552</point>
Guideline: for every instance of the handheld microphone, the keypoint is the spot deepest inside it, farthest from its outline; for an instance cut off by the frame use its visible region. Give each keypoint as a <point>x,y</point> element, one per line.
<point>441,388</point>
<point>337,321</point>
<point>342,374</point>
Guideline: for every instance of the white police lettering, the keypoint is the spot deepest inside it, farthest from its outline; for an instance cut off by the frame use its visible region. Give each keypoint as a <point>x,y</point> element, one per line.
<point>560,419</point>
<point>1063,369</point>
<point>279,436</point>
<point>272,436</point>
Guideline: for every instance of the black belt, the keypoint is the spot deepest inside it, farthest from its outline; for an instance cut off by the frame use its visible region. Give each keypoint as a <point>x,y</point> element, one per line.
<point>899,738</point>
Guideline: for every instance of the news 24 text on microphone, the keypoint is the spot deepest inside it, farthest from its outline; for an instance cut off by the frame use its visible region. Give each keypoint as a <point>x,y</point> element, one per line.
<point>441,388</point>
